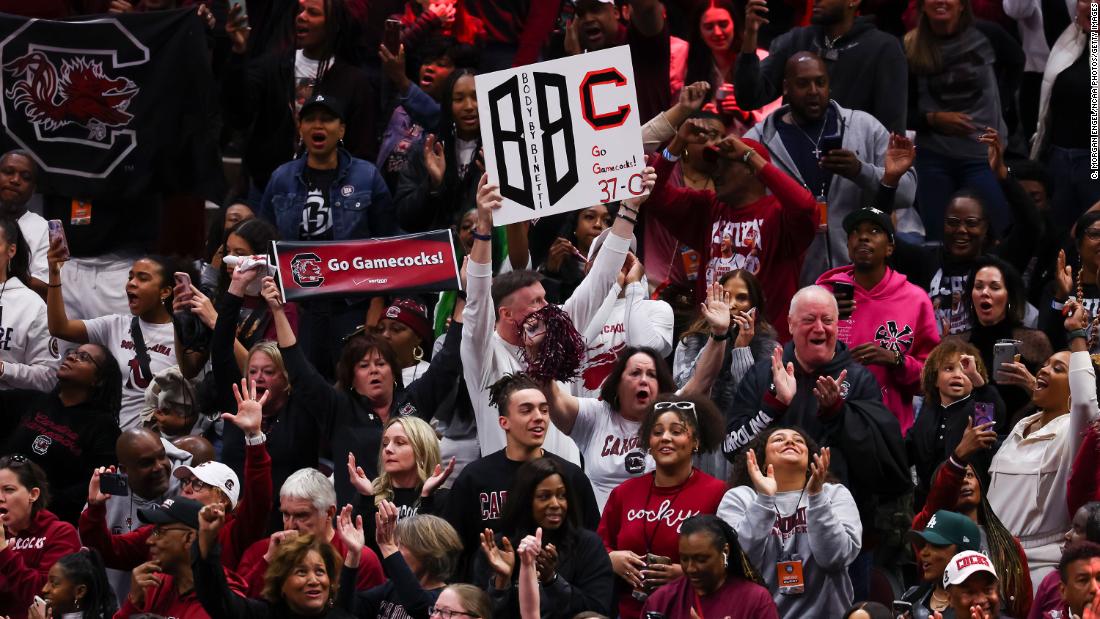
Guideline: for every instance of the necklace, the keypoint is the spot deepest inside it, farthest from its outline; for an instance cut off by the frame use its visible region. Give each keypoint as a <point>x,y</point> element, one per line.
<point>817,142</point>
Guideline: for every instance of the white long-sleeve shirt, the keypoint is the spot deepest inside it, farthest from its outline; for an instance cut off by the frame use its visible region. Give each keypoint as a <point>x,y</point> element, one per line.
<point>633,320</point>
<point>486,357</point>
<point>1029,474</point>
<point>25,340</point>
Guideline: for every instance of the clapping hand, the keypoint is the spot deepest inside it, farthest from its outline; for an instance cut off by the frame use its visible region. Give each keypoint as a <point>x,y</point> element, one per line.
<point>438,476</point>
<point>783,377</point>
<point>435,160</point>
<point>764,483</point>
<point>827,390</point>
<point>819,468</point>
<point>358,477</point>
<point>502,559</point>
<point>351,532</point>
<point>900,154</point>
<point>385,528</point>
<point>716,310</point>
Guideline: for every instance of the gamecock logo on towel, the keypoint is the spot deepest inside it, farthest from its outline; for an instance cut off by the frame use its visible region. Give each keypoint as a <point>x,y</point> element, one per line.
<point>69,105</point>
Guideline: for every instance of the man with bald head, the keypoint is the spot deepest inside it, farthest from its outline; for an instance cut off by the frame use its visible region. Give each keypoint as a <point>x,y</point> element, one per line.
<point>200,449</point>
<point>18,178</point>
<point>814,383</point>
<point>147,460</point>
<point>838,154</point>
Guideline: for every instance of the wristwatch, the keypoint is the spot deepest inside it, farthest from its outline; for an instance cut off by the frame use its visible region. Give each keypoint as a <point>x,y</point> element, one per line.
<point>256,439</point>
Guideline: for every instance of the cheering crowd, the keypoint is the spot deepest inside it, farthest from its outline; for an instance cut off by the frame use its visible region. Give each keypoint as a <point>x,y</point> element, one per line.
<point>834,363</point>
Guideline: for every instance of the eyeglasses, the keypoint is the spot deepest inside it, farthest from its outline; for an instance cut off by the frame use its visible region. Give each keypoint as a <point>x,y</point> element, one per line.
<point>682,406</point>
<point>195,483</point>
<point>160,531</point>
<point>447,613</point>
<point>969,222</point>
<point>83,357</point>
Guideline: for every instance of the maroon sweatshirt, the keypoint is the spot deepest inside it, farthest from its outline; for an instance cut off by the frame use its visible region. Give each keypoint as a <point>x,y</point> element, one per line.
<point>27,559</point>
<point>768,237</point>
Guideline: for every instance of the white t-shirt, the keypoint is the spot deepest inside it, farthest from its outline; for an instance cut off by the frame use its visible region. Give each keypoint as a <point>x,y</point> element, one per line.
<point>605,440</point>
<point>114,332</point>
<point>37,233</point>
<point>305,78</point>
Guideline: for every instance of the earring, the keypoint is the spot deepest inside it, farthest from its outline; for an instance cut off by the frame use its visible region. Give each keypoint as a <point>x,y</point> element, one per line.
<point>76,603</point>
<point>340,143</point>
<point>725,558</point>
<point>418,354</point>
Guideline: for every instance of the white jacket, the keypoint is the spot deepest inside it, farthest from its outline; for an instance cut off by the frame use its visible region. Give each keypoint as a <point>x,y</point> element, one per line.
<point>1028,486</point>
<point>1067,49</point>
<point>486,357</point>
<point>25,341</point>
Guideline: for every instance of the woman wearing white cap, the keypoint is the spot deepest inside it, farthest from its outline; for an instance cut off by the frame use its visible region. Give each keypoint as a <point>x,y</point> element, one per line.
<point>972,588</point>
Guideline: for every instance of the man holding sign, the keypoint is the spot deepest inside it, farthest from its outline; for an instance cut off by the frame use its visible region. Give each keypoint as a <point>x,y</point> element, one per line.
<point>757,218</point>
<point>493,342</point>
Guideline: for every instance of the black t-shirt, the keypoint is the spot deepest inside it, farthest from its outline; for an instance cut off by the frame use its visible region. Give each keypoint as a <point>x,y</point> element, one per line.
<point>1069,105</point>
<point>801,142</point>
<point>317,213</point>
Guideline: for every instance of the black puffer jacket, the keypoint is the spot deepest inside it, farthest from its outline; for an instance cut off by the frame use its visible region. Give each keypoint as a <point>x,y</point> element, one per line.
<point>868,453</point>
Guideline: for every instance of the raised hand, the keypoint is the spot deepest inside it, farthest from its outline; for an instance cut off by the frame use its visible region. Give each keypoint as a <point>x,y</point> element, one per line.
<point>756,15</point>
<point>783,377</point>
<point>501,559</point>
<point>95,495</point>
<point>237,28</point>
<point>240,280</point>
<point>436,479</point>
<point>764,484</point>
<point>693,95</point>
<point>819,468</point>
<point>393,67</point>
<point>827,390</point>
<point>995,152</point>
<point>900,154</point>
<point>488,200</point>
<point>270,293</point>
<point>1063,277</point>
<point>445,11</point>
<point>746,327</point>
<point>278,538</point>
<point>970,369</point>
<point>385,528</point>
<point>547,563</point>
<point>975,439</point>
<point>716,310</point>
<point>1077,317</point>
<point>211,521</point>
<point>359,478</point>
<point>201,306</point>
<point>250,409</point>
<point>649,179</point>
<point>529,549</point>
<point>572,39</point>
<point>435,160</point>
<point>351,532</point>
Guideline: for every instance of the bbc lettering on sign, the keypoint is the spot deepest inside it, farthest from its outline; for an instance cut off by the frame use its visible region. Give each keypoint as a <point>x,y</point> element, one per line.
<point>562,135</point>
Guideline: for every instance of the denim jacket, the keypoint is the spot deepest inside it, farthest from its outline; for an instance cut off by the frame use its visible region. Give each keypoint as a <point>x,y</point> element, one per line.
<point>360,201</point>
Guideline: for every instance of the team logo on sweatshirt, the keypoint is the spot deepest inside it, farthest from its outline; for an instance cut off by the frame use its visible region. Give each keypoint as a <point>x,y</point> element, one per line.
<point>890,337</point>
<point>41,444</point>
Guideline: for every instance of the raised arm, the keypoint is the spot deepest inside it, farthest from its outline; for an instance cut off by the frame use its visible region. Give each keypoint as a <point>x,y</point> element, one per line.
<point>716,311</point>
<point>58,321</point>
<point>1082,382</point>
<point>564,407</point>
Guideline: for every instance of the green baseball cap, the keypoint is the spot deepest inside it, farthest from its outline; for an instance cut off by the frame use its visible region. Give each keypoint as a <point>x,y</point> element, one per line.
<point>946,528</point>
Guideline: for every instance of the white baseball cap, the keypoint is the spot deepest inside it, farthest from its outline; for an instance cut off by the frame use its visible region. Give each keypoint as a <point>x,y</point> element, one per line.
<point>216,474</point>
<point>964,565</point>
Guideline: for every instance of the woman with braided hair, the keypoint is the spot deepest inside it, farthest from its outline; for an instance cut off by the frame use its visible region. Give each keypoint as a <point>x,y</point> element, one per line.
<point>77,585</point>
<point>1074,281</point>
<point>718,577</point>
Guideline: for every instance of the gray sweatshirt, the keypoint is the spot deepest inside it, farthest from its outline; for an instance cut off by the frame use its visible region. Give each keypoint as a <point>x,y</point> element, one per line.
<point>823,530</point>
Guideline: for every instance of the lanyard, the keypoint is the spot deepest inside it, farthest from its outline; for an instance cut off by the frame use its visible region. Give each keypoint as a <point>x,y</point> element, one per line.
<point>657,521</point>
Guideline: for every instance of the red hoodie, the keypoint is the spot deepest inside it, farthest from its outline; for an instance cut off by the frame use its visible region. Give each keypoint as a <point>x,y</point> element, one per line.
<point>768,237</point>
<point>897,316</point>
<point>27,559</point>
<point>244,525</point>
<point>164,600</point>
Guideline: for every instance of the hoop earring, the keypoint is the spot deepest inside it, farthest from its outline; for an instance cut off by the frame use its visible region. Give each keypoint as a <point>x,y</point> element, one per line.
<point>418,353</point>
<point>340,143</point>
<point>725,558</point>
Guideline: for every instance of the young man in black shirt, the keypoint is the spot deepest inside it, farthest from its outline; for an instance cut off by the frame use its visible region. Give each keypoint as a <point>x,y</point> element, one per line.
<point>476,501</point>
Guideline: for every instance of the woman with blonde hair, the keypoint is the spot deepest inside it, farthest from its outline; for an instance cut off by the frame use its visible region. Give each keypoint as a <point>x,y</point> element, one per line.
<point>409,473</point>
<point>461,601</point>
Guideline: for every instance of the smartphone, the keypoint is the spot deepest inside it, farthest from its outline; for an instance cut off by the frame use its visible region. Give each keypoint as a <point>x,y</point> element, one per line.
<point>830,142</point>
<point>38,600</point>
<point>983,413</point>
<point>844,291</point>
<point>57,235</point>
<point>392,37</point>
<point>1004,351</point>
<point>114,484</point>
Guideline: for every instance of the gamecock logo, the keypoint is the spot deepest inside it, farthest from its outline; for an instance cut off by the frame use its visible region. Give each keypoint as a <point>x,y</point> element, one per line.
<point>70,105</point>
<point>306,270</point>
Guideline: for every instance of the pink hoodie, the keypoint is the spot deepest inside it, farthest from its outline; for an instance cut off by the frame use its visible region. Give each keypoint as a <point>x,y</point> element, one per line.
<point>898,316</point>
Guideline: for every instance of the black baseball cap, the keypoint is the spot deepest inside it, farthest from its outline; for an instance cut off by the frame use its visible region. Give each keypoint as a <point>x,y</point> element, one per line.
<point>171,511</point>
<point>332,104</point>
<point>870,214</point>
